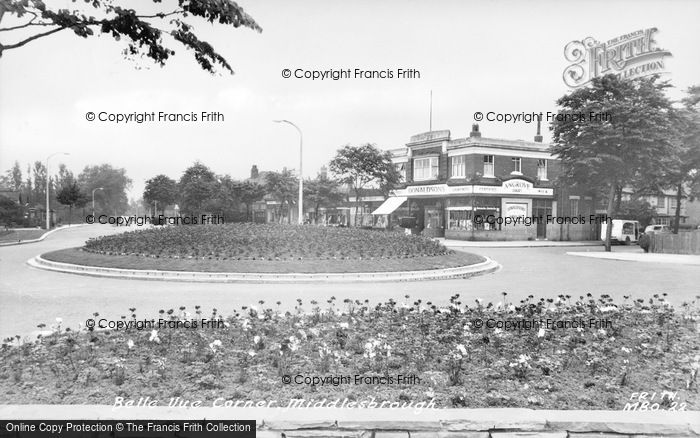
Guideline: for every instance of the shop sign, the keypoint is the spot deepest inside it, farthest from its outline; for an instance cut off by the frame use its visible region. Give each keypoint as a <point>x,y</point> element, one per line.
<point>510,187</point>
<point>516,209</point>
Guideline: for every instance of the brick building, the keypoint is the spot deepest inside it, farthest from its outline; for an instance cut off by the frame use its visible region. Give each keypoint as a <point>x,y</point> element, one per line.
<point>460,187</point>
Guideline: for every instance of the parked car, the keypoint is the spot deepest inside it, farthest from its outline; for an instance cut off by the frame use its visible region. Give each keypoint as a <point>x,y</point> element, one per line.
<point>623,231</point>
<point>657,229</point>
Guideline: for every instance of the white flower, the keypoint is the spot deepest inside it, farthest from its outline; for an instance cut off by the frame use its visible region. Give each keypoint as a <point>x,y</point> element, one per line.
<point>293,343</point>
<point>130,344</point>
<point>461,349</point>
<point>256,340</point>
<point>154,337</point>
<point>541,332</point>
<point>344,325</point>
<point>214,345</point>
<point>251,353</point>
<point>246,324</point>
<point>602,332</point>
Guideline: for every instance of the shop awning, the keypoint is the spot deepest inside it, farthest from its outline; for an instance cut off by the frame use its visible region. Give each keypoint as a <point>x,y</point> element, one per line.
<point>390,205</point>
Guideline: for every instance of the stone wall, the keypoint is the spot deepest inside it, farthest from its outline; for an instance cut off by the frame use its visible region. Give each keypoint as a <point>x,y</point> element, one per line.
<point>399,423</point>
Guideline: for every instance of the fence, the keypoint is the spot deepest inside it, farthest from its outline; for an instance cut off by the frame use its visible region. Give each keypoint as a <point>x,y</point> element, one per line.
<point>681,243</point>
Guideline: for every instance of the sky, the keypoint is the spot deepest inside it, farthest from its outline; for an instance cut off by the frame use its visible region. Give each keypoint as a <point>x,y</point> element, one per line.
<point>501,56</point>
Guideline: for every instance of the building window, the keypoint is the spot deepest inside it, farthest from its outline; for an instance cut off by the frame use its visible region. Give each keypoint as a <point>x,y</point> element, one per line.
<point>542,170</point>
<point>674,203</point>
<point>425,168</point>
<point>488,166</point>
<point>573,207</point>
<point>401,168</point>
<point>516,165</point>
<point>661,202</point>
<point>458,166</point>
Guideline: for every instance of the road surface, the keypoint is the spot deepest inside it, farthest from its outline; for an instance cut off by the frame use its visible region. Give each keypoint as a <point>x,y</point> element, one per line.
<point>30,296</point>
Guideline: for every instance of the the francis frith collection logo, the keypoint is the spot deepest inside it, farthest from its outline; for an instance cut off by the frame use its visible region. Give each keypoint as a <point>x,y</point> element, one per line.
<point>630,56</point>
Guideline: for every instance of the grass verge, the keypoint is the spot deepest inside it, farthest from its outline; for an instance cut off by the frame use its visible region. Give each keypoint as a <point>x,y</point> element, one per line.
<point>79,257</point>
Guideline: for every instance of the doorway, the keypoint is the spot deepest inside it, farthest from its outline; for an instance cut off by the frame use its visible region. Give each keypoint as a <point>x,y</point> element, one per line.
<point>541,209</point>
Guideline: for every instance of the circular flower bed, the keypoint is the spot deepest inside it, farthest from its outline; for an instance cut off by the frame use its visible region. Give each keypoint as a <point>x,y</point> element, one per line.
<point>265,242</point>
<point>455,356</point>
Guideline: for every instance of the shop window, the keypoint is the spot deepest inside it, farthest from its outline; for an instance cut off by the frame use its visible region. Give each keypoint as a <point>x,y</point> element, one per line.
<point>517,165</point>
<point>542,170</point>
<point>401,169</point>
<point>425,168</point>
<point>481,219</point>
<point>458,166</point>
<point>488,166</point>
<point>460,220</point>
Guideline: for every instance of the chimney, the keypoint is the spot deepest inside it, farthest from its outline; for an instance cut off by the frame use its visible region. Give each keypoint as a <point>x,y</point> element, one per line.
<point>538,137</point>
<point>254,174</point>
<point>475,131</point>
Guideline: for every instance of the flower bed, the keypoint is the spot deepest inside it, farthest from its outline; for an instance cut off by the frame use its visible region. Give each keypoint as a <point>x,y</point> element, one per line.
<point>455,360</point>
<point>265,242</point>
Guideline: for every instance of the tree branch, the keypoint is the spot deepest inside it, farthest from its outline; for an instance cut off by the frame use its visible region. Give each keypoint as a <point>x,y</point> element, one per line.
<point>31,38</point>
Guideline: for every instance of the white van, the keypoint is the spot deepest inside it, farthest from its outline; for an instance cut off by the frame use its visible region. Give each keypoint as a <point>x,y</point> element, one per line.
<point>623,231</point>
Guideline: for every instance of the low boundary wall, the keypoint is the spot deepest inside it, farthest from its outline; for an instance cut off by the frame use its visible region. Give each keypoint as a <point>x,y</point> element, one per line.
<point>398,423</point>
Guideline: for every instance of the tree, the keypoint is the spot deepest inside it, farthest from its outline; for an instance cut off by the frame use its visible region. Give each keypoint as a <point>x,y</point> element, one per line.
<point>249,192</point>
<point>144,31</point>
<point>39,192</point>
<point>621,148</point>
<point>637,209</point>
<point>71,195</point>
<point>225,201</point>
<point>322,192</point>
<point>684,168</point>
<point>283,186</point>
<point>114,182</point>
<point>198,187</point>
<point>10,212</point>
<point>364,166</point>
<point>160,189</point>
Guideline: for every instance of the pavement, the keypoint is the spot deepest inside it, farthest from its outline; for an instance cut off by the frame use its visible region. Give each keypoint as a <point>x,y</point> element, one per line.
<point>641,256</point>
<point>30,296</point>
<point>515,244</point>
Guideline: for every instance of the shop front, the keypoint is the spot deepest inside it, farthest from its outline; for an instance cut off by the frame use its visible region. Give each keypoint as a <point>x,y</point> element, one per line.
<point>479,212</point>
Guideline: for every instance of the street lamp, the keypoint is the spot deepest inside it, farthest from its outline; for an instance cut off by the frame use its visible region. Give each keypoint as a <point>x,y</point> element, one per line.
<point>48,179</point>
<point>301,177</point>
<point>93,200</point>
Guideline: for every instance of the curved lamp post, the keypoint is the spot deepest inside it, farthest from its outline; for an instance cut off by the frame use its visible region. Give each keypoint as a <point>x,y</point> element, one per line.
<point>48,180</point>
<point>301,177</point>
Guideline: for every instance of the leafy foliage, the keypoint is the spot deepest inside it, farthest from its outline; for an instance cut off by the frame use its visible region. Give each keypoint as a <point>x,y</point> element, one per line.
<point>627,148</point>
<point>115,183</point>
<point>198,186</point>
<point>141,30</point>
<point>162,189</point>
